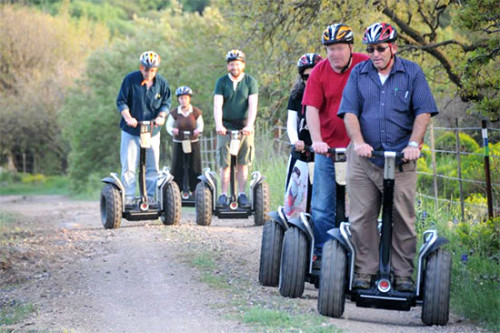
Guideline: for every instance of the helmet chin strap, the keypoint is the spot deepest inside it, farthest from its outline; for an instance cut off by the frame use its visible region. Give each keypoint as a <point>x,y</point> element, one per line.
<point>390,60</point>
<point>349,61</point>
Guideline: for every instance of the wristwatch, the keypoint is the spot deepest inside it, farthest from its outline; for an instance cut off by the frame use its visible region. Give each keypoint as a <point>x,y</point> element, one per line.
<point>413,144</point>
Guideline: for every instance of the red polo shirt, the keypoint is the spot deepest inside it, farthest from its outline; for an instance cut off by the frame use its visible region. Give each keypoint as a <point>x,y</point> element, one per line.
<point>324,92</point>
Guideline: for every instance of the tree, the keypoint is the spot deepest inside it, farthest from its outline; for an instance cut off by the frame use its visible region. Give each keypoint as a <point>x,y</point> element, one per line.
<point>39,57</point>
<point>90,116</point>
<point>456,41</point>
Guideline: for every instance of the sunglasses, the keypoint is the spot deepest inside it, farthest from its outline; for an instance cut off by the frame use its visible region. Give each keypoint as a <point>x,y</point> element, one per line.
<point>380,49</point>
<point>305,77</point>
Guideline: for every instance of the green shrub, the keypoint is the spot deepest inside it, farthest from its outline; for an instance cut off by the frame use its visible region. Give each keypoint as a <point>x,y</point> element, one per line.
<point>480,238</point>
<point>9,177</point>
<point>447,141</point>
<point>36,178</point>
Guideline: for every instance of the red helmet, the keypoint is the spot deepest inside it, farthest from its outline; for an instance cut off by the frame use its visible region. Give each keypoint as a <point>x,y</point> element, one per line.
<point>380,33</point>
<point>308,60</point>
<point>337,33</point>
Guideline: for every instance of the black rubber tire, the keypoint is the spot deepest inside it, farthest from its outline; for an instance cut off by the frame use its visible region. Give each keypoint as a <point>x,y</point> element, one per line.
<point>270,254</point>
<point>203,203</point>
<point>293,263</point>
<point>172,204</point>
<point>332,280</point>
<point>111,207</point>
<point>261,203</point>
<point>436,290</point>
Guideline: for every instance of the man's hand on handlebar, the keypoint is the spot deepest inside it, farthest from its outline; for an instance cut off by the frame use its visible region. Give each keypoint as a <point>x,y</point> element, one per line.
<point>221,130</point>
<point>299,145</point>
<point>247,130</point>
<point>132,122</point>
<point>159,121</point>
<point>320,147</point>
<point>363,149</point>
<point>410,154</point>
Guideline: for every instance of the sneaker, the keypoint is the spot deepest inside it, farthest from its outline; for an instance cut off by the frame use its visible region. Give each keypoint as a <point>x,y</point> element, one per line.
<point>222,201</point>
<point>362,281</point>
<point>404,283</point>
<point>243,200</point>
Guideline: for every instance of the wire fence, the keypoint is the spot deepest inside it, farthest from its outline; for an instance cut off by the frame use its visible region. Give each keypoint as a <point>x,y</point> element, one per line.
<point>454,172</point>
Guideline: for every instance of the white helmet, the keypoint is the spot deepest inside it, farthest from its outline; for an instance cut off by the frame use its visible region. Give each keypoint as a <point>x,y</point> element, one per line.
<point>150,59</point>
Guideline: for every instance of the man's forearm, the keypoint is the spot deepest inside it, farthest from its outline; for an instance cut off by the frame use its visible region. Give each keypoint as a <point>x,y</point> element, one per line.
<point>353,128</point>
<point>218,100</point>
<point>419,127</point>
<point>126,114</point>
<point>312,117</point>
<point>252,109</point>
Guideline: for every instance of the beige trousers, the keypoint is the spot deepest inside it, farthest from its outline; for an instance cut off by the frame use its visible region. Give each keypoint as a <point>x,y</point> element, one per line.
<point>365,188</point>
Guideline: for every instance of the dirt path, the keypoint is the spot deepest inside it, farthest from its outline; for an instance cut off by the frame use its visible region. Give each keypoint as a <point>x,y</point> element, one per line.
<point>140,277</point>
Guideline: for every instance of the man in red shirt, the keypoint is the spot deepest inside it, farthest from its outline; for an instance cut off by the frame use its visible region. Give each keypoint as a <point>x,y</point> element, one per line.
<point>322,98</point>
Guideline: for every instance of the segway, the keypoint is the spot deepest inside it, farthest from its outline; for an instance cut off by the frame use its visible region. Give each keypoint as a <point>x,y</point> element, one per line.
<point>168,201</point>
<point>297,255</point>
<point>433,275</point>
<point>275,227</point>
<point>206,193</point>
<point>187,197</point>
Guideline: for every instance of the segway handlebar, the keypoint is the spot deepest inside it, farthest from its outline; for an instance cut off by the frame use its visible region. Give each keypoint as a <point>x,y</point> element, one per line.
<point>337,154</point>
<point>381,153</point>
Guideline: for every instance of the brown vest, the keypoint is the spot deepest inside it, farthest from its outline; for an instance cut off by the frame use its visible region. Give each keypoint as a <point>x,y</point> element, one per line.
<point>185,123</point>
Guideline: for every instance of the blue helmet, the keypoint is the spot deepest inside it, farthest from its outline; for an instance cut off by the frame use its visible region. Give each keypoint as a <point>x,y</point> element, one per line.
<point>184,90</point>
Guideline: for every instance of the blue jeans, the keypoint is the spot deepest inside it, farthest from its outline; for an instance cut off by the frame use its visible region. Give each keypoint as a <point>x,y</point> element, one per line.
<point>324,200</point>
<point>129,157</point>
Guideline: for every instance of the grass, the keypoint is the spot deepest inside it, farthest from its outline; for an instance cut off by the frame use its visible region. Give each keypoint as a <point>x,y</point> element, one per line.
<point>206,265</point>
<point>475,252</point>
<point>269,314</point>
<point>10,315</point>
<point>27,184</point>
<point>280,321</point>
<point>273,167</point>
<point>475,279</point>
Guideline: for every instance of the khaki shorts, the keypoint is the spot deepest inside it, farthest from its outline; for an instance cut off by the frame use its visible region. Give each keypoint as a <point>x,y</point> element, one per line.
<point>245,154</point>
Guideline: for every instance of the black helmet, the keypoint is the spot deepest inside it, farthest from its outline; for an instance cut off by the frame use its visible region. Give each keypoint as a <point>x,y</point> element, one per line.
<point>235,55</point>
<point>380,33</point>
<point>184,90</point>
<point>308,60</point>
<point>337,33</point>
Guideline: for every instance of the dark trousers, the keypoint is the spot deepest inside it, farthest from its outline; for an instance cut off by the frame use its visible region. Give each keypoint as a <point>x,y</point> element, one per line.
<point>193,161</point>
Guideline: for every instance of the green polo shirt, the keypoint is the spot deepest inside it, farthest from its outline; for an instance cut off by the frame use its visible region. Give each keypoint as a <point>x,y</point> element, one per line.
<point>235,105</point>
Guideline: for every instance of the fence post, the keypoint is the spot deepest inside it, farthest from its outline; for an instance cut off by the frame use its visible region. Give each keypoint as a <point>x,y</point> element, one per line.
<point>24,162</point>
<point>459,169</point>
<point>487,171</point>
<point>434,171</point>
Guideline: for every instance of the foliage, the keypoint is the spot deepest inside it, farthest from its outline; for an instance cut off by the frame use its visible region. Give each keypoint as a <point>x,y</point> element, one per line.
<point>481,238</point>
<point>475,248</point>
<point>13,314</point>
<point>447,141</point>
<point>471,166</point>
<point>450,51</point>
<point>32,184</point>
<point>37,178</point>
<point>95,138</point>
<point>40,55</point>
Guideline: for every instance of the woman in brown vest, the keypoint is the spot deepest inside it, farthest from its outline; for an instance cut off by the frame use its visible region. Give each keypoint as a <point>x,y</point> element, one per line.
<point>183,118</point>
